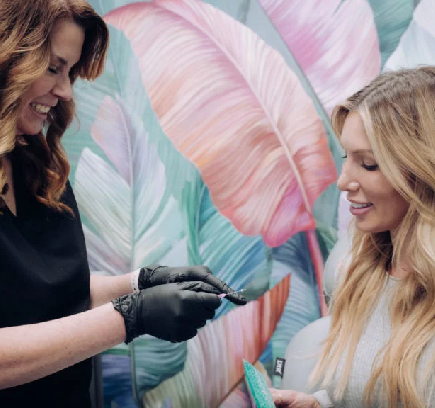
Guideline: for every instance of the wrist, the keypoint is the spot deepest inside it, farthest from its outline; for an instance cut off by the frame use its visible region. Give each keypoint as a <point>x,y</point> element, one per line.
<point>125,306</point>
<point>322,399</point>
<point>134,281</point>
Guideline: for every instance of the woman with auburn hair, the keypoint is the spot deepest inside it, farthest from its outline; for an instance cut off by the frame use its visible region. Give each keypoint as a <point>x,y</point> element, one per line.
<point>54,315</point>
<point>380,350</point>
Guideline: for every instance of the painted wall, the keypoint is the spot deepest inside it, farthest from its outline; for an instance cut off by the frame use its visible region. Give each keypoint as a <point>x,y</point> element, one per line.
<point>207,141</point>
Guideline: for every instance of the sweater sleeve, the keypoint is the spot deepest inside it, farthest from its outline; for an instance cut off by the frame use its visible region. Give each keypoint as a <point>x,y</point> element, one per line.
<point>323,397</point>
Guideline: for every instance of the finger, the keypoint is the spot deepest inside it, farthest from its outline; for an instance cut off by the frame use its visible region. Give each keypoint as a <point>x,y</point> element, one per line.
<point>236,298</point>
<point>277,396</point>
<point>189,273</point>
<point>283,398</point>
<point>213,280</point>
<point>199,287</point>
<point>200,304</point>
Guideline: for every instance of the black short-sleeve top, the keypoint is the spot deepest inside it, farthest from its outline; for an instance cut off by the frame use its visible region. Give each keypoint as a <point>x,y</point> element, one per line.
<point>44,275</point>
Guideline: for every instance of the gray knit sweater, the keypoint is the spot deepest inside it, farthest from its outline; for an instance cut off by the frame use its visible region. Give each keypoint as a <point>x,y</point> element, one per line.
<point>374,337</point>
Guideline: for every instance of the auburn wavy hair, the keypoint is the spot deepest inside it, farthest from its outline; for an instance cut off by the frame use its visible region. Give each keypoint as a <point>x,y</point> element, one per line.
<point>398,113</point>
<point>25,52</point>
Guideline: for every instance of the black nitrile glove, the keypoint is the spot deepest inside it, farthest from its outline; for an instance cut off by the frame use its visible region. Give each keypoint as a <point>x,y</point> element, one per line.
<point>173,312</point>
<point>158,275</point>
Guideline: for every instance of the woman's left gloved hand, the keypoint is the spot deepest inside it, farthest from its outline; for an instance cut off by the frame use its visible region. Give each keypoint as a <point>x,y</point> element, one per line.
<point>159,275</point>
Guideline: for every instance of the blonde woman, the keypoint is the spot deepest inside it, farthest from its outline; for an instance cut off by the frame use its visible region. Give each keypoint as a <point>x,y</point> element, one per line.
<point>53,315</point>
<point>380,351</point>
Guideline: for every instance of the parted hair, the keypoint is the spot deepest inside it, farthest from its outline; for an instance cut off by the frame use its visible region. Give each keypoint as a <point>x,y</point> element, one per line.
<point>25,52</point>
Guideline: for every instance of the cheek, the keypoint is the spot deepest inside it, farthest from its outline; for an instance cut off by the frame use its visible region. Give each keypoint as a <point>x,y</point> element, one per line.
<point>401,205</point>
<point>37,89</point>
<point>392,205</point>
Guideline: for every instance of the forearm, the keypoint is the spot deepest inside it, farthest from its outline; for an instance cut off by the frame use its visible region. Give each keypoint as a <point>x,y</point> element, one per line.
<point>30,352</point>
<point>106,288</point>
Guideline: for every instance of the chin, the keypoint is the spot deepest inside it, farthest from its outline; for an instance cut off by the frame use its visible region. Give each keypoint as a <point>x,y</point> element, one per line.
<point>367,228</point>
<point>29,131</point>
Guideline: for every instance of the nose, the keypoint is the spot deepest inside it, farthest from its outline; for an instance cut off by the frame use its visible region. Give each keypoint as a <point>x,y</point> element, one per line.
<point>346,182</point>
<point>63,88</point>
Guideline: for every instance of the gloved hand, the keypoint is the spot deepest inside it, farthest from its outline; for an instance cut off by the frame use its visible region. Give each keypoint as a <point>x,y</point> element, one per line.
<point>158,275</point>
<point>173,312</point>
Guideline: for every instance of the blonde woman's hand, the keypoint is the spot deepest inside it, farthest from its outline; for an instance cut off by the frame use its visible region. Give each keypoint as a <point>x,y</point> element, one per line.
<point>293,399</point>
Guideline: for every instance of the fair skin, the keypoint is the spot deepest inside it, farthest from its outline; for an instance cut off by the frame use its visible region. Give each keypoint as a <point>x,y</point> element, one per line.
<point>293,399</point>
<point>365,184</point>
<point>375,204</point>
<point>30,352</point>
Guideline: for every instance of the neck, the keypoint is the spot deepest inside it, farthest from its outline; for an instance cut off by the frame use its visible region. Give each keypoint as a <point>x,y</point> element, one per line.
<point>399,268</point>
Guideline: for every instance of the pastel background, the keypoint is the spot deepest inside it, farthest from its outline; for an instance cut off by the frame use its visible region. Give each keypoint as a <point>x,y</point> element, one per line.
<point>207,141</point>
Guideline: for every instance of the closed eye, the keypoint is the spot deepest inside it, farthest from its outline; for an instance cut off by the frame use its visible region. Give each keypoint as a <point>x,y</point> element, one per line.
<point>368,167</point>
<point>372,167</point>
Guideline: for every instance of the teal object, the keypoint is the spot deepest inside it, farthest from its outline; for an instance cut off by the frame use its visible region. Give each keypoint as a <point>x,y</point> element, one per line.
<point>392,18</point>
<point>258,387</point>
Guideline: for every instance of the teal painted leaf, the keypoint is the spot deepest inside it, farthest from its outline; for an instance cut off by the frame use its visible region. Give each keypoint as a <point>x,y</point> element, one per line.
<point>302,306</point>
<point>129,222</point>
<point>121,80</point>
<point>212,240</point>
<point>326,237</point>
<point>155,361</point>
<point>392,18</point>
<point>239,9</point>
<point>417,44</point>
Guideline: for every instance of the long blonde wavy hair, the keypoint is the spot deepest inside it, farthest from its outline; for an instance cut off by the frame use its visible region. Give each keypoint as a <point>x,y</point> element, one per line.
<point>25,51</point>
<point>398,113</point>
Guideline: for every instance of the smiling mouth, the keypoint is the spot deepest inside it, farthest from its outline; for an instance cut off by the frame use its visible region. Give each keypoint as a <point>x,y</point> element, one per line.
<point>356,206</point>
<point>41,109</point>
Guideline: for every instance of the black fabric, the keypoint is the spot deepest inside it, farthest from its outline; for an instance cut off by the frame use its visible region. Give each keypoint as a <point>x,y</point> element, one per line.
<point>44,275</point>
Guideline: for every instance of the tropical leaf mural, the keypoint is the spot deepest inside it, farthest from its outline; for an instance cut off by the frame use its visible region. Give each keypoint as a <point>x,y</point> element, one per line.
<point>334,42</point>
<point>334,47</point>
<point>207,141</point>
<point>121,192</point>
<point>254,108</point>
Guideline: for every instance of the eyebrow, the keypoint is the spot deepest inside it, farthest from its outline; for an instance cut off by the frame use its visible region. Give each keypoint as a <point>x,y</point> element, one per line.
<point>61,60</point>
<point>359,151</point>
<point>364,151</point>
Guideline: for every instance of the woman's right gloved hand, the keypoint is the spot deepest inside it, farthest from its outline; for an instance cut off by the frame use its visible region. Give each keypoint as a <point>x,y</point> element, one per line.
<point>173,311</point>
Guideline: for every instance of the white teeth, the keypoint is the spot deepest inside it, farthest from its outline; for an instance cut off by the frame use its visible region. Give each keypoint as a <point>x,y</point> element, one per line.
<point>360,205</point>
<point>40,108</point>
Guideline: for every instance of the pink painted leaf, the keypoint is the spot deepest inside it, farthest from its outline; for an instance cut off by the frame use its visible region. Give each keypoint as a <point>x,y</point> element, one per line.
<point>231,105</point>
<point>335,43</point>
<point>214,365</point>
